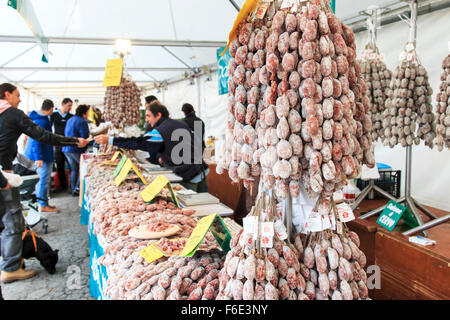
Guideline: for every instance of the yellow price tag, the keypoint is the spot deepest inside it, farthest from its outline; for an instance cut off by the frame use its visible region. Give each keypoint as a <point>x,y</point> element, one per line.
<point>113,73</point>
<point>198,234</point>
<point>126,168</point>
<point>136,170</point>
<point>116,155</point>
<point>151,253</point>
<point>152,190</point>
<point>123,172</point>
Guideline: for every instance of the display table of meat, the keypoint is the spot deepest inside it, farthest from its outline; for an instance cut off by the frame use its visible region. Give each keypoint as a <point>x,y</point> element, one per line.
<point>118,271</point>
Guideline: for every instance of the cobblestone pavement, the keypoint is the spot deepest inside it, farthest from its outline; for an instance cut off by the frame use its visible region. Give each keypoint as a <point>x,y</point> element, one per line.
<point>71,280</point>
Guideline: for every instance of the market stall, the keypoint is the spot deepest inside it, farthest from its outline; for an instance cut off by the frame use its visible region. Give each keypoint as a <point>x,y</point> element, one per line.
<point>299,108</point>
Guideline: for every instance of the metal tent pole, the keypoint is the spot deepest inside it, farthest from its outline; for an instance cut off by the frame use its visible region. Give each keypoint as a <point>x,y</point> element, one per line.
<point>372,28</point>
<point>289,216</point>
<point>428,225</point>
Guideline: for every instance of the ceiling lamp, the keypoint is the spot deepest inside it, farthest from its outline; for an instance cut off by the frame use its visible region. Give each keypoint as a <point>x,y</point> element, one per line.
<point>122,47</point>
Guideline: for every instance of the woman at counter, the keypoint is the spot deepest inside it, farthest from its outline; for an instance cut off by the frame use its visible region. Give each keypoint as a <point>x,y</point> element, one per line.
<point>172,144</point>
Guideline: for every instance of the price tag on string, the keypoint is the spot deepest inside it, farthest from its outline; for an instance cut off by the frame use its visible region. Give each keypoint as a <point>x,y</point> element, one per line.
<point>267,233</point>
<point>345,213</point>
<point>280,230</point>
<point>262,11</point>
<point>339,227</point>
<point>326,223</point>
<point>333,222</point>
<point>402,56</point>
<point>314,222</point>
<point>409,47</point>
<point>251,226</point>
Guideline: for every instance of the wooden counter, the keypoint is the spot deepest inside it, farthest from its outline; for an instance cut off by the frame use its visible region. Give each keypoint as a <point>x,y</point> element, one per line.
<point>408,271</point>
<point>221,186</point>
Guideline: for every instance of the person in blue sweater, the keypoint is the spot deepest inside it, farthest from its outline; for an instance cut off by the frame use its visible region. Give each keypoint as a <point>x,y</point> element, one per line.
<point>76,126</point>
<point>42,155</point>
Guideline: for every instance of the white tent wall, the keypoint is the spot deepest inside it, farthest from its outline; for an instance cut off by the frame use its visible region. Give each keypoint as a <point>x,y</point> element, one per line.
<point>430,178</point>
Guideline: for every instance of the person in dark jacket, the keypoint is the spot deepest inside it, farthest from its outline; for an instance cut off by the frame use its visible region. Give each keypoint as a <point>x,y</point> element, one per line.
<point>59,120</point>
<point>42,155</point>
<point>77,126</point>
<point>14,123</point>
<point>174,142</point>
<point>191,119</point>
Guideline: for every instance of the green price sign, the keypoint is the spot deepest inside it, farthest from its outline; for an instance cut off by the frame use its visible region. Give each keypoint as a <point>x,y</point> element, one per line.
<point>120,165</point>
<point>392,214</point>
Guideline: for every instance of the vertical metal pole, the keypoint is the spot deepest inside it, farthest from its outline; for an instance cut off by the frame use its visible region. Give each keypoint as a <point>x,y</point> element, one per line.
<point>289,217</point>
<point>199,98</point>
<point>408,171</point>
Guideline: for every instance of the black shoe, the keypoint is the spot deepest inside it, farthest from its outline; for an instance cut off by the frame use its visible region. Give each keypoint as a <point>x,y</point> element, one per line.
<point>75,193</point>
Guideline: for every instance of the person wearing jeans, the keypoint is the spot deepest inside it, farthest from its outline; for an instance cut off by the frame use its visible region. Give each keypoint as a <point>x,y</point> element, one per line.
<point>42,155</point>
<point>59,120</point>
<point>76,127</point>
<point>14,123</point>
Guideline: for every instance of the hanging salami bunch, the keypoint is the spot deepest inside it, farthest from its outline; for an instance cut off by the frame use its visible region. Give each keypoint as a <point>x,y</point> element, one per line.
<point>378,78</point>
<point>409,106</point>
<point>443,108</point>
<point>122,104</point>
<point>312,124</point>
<point>332,263</point>
<point>260,266</point>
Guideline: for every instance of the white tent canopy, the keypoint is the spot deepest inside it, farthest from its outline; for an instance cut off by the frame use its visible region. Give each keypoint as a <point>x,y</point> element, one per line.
<point>81,36</point>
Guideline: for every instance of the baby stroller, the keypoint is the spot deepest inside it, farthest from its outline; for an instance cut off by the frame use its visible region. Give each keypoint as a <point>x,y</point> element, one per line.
<point>30,209</point>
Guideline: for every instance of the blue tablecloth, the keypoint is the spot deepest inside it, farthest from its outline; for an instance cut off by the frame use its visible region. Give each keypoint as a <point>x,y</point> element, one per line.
<point>98,275</point>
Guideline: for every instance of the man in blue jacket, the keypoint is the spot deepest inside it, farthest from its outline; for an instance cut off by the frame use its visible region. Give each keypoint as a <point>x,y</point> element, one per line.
<point>173,142</point>
<point>42,155</point>
<point>76,126</point>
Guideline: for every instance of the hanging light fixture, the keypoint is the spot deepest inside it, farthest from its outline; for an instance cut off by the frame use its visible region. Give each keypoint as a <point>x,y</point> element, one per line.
<point>122,47</point>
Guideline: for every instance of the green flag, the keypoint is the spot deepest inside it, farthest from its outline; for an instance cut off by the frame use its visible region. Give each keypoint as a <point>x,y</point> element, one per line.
<point>333,5</point>
<point>25,9</point>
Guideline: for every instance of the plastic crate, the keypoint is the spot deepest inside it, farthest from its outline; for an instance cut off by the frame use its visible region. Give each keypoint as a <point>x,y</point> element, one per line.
<point>389,181</point>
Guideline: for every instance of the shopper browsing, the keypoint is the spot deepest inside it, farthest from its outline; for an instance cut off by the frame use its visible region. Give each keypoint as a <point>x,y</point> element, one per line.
<point>77,126</point>
<point>13,123</point>
<point>42,155</point>
<point>171,140</point>
<point>59,120</point>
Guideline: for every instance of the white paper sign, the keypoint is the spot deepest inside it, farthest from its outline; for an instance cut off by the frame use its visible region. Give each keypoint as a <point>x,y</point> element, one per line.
<point>251,225</point>
<point>409,47</point>
<point>280,230</point>
<point>267,229</point>
<point>339,227</point>
<point>326,223</point>
<point>333,222</point>
<point>266,241</point>
<point>314,223</point>
<point>345,213</point>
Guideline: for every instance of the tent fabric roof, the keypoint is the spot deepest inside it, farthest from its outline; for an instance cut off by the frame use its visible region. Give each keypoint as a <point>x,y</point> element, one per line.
<point>194,20</point>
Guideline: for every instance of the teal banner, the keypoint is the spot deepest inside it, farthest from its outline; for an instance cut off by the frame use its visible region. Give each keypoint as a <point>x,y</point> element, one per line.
<point>222,70</point>
<point>333,5</point>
